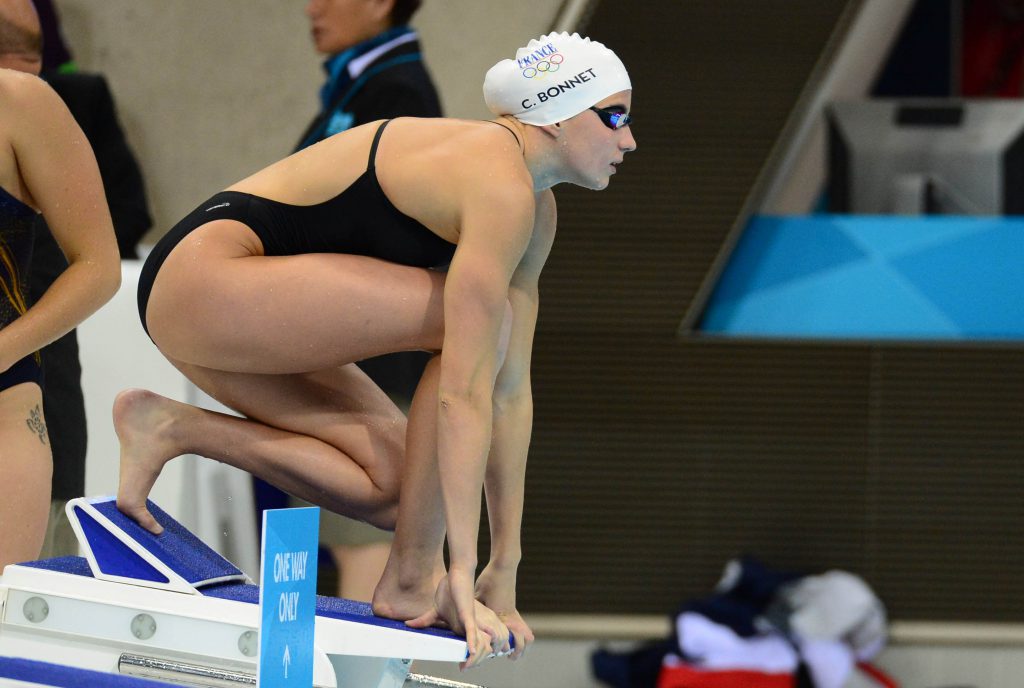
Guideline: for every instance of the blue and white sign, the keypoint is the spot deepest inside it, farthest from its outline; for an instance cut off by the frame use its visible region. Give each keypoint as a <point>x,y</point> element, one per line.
<point>288,569</point>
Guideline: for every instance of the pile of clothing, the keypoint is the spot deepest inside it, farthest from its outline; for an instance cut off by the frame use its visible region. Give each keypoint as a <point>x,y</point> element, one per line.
<point>764,629</point>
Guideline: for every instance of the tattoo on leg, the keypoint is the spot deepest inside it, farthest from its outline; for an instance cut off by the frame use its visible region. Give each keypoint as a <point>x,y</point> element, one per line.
<point>35,423</point>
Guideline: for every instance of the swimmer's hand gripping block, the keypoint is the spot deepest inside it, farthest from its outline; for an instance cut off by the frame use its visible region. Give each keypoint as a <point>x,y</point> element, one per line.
<point>119,549</point>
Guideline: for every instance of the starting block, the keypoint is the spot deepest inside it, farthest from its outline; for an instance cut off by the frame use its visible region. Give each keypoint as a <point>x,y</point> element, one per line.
<point>168,608</point>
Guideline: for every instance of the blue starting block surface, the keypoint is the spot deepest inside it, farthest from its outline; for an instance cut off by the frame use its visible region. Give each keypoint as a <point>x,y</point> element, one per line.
<point>329,608</point>
<point>36,673</point>
<point>119,549</point>
<point>326,607</point>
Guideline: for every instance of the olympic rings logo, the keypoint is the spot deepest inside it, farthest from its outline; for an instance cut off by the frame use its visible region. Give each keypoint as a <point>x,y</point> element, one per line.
<point>543,67</point>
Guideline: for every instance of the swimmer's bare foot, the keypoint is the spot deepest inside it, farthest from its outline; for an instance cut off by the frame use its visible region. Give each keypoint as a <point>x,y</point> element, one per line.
<point>145,424</point>
<point>402,597</point>
<point>392,600</point>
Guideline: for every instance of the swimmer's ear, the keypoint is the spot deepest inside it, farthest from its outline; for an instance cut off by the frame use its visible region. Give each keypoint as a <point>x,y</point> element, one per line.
<point>552,130</point>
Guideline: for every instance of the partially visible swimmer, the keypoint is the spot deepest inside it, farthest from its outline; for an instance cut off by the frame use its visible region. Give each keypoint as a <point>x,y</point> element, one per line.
<point>48,167</point>
<point>407,234</point>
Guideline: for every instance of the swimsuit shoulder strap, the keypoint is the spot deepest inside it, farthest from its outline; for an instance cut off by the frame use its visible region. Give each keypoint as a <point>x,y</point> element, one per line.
<point>509,130</point>
<point>372,162</point>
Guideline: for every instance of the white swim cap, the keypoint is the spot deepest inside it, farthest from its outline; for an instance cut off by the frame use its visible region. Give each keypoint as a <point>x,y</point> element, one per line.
<point>553,78</point>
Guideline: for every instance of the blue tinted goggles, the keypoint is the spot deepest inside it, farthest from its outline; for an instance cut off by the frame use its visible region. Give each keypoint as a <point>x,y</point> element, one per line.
<point>613,119</point>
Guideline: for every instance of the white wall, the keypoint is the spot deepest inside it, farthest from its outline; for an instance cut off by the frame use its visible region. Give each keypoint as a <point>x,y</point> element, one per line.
<point>208,92</point>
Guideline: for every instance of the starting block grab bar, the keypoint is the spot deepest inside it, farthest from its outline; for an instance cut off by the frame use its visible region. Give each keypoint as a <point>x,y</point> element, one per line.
<point>152,668</point>
<point>149,667</point>
<point>420,680</point>
<point>170,608</point>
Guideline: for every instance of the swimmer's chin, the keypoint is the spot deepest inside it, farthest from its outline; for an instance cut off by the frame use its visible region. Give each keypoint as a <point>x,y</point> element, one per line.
<point>593,184</point>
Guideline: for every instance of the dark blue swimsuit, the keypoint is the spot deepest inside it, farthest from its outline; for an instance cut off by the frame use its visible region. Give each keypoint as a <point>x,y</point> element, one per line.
<point>16,226</point>
<point>358,221</point>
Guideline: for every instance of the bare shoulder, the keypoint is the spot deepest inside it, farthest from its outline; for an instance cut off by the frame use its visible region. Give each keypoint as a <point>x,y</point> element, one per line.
<point>496,181</point>
<point>495,172</point>
<point>11,79</point>
<point>25,105</point>
<point>32,110</point>
<point>20,92</point>
<point>35,118</point>
<point>45,148</point>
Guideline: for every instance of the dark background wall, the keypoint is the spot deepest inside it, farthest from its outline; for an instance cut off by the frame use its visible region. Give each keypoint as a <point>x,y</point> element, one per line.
<point>656,459</point>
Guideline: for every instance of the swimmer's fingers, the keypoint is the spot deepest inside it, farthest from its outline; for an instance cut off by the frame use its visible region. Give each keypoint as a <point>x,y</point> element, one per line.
<point>478,649</point>
<point>496,630</point>
<point>520,632</point>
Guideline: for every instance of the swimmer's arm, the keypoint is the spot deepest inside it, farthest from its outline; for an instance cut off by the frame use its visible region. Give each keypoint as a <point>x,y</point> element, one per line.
<point>505,477</point>
<point>513,397</point>
<point>495,232</point>
<point>59,169</point>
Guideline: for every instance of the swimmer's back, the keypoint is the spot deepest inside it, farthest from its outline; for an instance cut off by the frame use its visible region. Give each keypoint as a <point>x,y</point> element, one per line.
<point>424,166</point>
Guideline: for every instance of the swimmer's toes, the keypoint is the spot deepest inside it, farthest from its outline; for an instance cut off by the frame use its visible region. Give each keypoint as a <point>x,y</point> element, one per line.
<point>426,620</point>
<point>140,514</point>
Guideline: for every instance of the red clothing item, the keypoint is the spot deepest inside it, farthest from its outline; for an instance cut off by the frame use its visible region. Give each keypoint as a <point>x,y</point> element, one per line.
<point>992,62</point>
<point>683,676</point>
<point>883,679</point>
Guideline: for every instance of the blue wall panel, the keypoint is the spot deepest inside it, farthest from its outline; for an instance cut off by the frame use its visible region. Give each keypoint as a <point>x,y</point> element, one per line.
<point>872,277</point>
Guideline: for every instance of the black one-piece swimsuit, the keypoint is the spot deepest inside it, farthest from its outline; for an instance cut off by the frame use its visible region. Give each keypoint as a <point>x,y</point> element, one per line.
<point>358,221</point>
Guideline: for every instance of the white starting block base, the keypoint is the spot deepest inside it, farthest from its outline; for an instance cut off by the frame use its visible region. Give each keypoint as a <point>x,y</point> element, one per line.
<point>60,610</point>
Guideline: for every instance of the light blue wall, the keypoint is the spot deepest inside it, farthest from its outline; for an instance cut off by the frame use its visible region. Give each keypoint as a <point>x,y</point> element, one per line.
<point>861,277</point>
